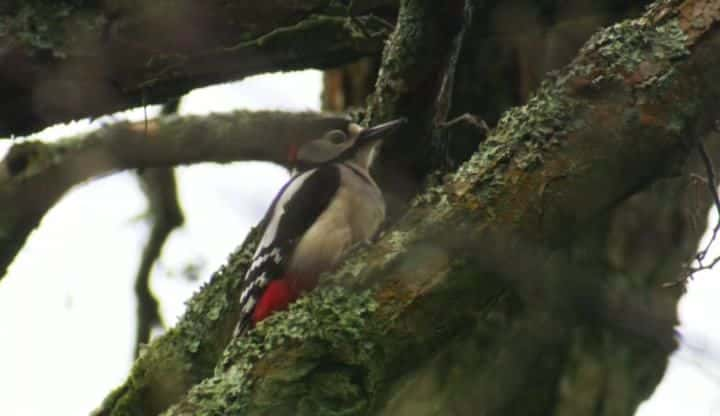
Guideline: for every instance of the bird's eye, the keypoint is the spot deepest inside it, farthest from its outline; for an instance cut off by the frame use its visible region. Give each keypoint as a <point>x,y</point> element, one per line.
<point>336,136</point>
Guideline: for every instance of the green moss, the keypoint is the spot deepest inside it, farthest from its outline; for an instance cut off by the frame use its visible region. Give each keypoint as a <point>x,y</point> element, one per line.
<point>525,134</point>
<point>328,320</point>
<point>211,300</point>
<point>619,50</point>
<point>330,314</point>
<point>522,137</point>
<point>543,117</point>
<point>536,126</point>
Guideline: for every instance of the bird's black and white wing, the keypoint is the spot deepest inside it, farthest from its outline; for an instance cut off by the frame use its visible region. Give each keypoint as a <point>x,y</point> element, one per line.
<point>296,207</point>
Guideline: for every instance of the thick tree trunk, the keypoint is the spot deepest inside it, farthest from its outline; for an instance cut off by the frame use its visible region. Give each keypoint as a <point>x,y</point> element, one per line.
<point>505,289</point>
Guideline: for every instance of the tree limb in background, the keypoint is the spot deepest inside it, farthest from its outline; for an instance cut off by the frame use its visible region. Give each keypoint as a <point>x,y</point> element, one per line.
<point>165,215</point>
<point>68,60</point>
<point>34,175</point>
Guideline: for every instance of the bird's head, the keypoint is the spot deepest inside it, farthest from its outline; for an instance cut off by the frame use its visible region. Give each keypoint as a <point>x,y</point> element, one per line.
<point>351,143</point>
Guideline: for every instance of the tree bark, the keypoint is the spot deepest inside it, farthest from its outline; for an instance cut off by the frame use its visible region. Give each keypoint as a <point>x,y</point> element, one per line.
<point>494,270</point>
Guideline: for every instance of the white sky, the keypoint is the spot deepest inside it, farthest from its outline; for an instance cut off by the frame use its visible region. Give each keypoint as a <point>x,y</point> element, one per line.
<point>67,317</point>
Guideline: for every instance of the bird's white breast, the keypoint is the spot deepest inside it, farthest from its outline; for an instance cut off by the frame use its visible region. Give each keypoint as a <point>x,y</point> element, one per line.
<point>354,215</point>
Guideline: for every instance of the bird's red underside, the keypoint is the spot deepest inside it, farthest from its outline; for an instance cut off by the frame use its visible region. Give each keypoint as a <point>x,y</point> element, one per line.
<point>279,294</point>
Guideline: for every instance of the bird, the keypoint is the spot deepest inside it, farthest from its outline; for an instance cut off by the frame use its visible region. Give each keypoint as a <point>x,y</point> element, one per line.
<point>330,204</point>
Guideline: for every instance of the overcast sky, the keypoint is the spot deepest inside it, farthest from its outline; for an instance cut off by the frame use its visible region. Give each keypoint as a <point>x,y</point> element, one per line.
<point>67,317</point>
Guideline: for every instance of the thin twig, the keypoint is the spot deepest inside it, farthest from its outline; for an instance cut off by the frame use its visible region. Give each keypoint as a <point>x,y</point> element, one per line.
<point>711,182</point>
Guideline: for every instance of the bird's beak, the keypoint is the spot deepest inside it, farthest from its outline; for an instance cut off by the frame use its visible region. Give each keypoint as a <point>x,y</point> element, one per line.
<point>380,131</point>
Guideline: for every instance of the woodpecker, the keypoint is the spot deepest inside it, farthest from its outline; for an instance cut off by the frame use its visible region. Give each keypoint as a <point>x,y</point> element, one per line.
<point>327,206</point>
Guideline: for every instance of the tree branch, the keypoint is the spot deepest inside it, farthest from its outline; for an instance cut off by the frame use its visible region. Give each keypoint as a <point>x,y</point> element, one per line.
<point>66,60</point>
<point>166,215</point>
<point>416,82</point>
<point>34,175</point>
